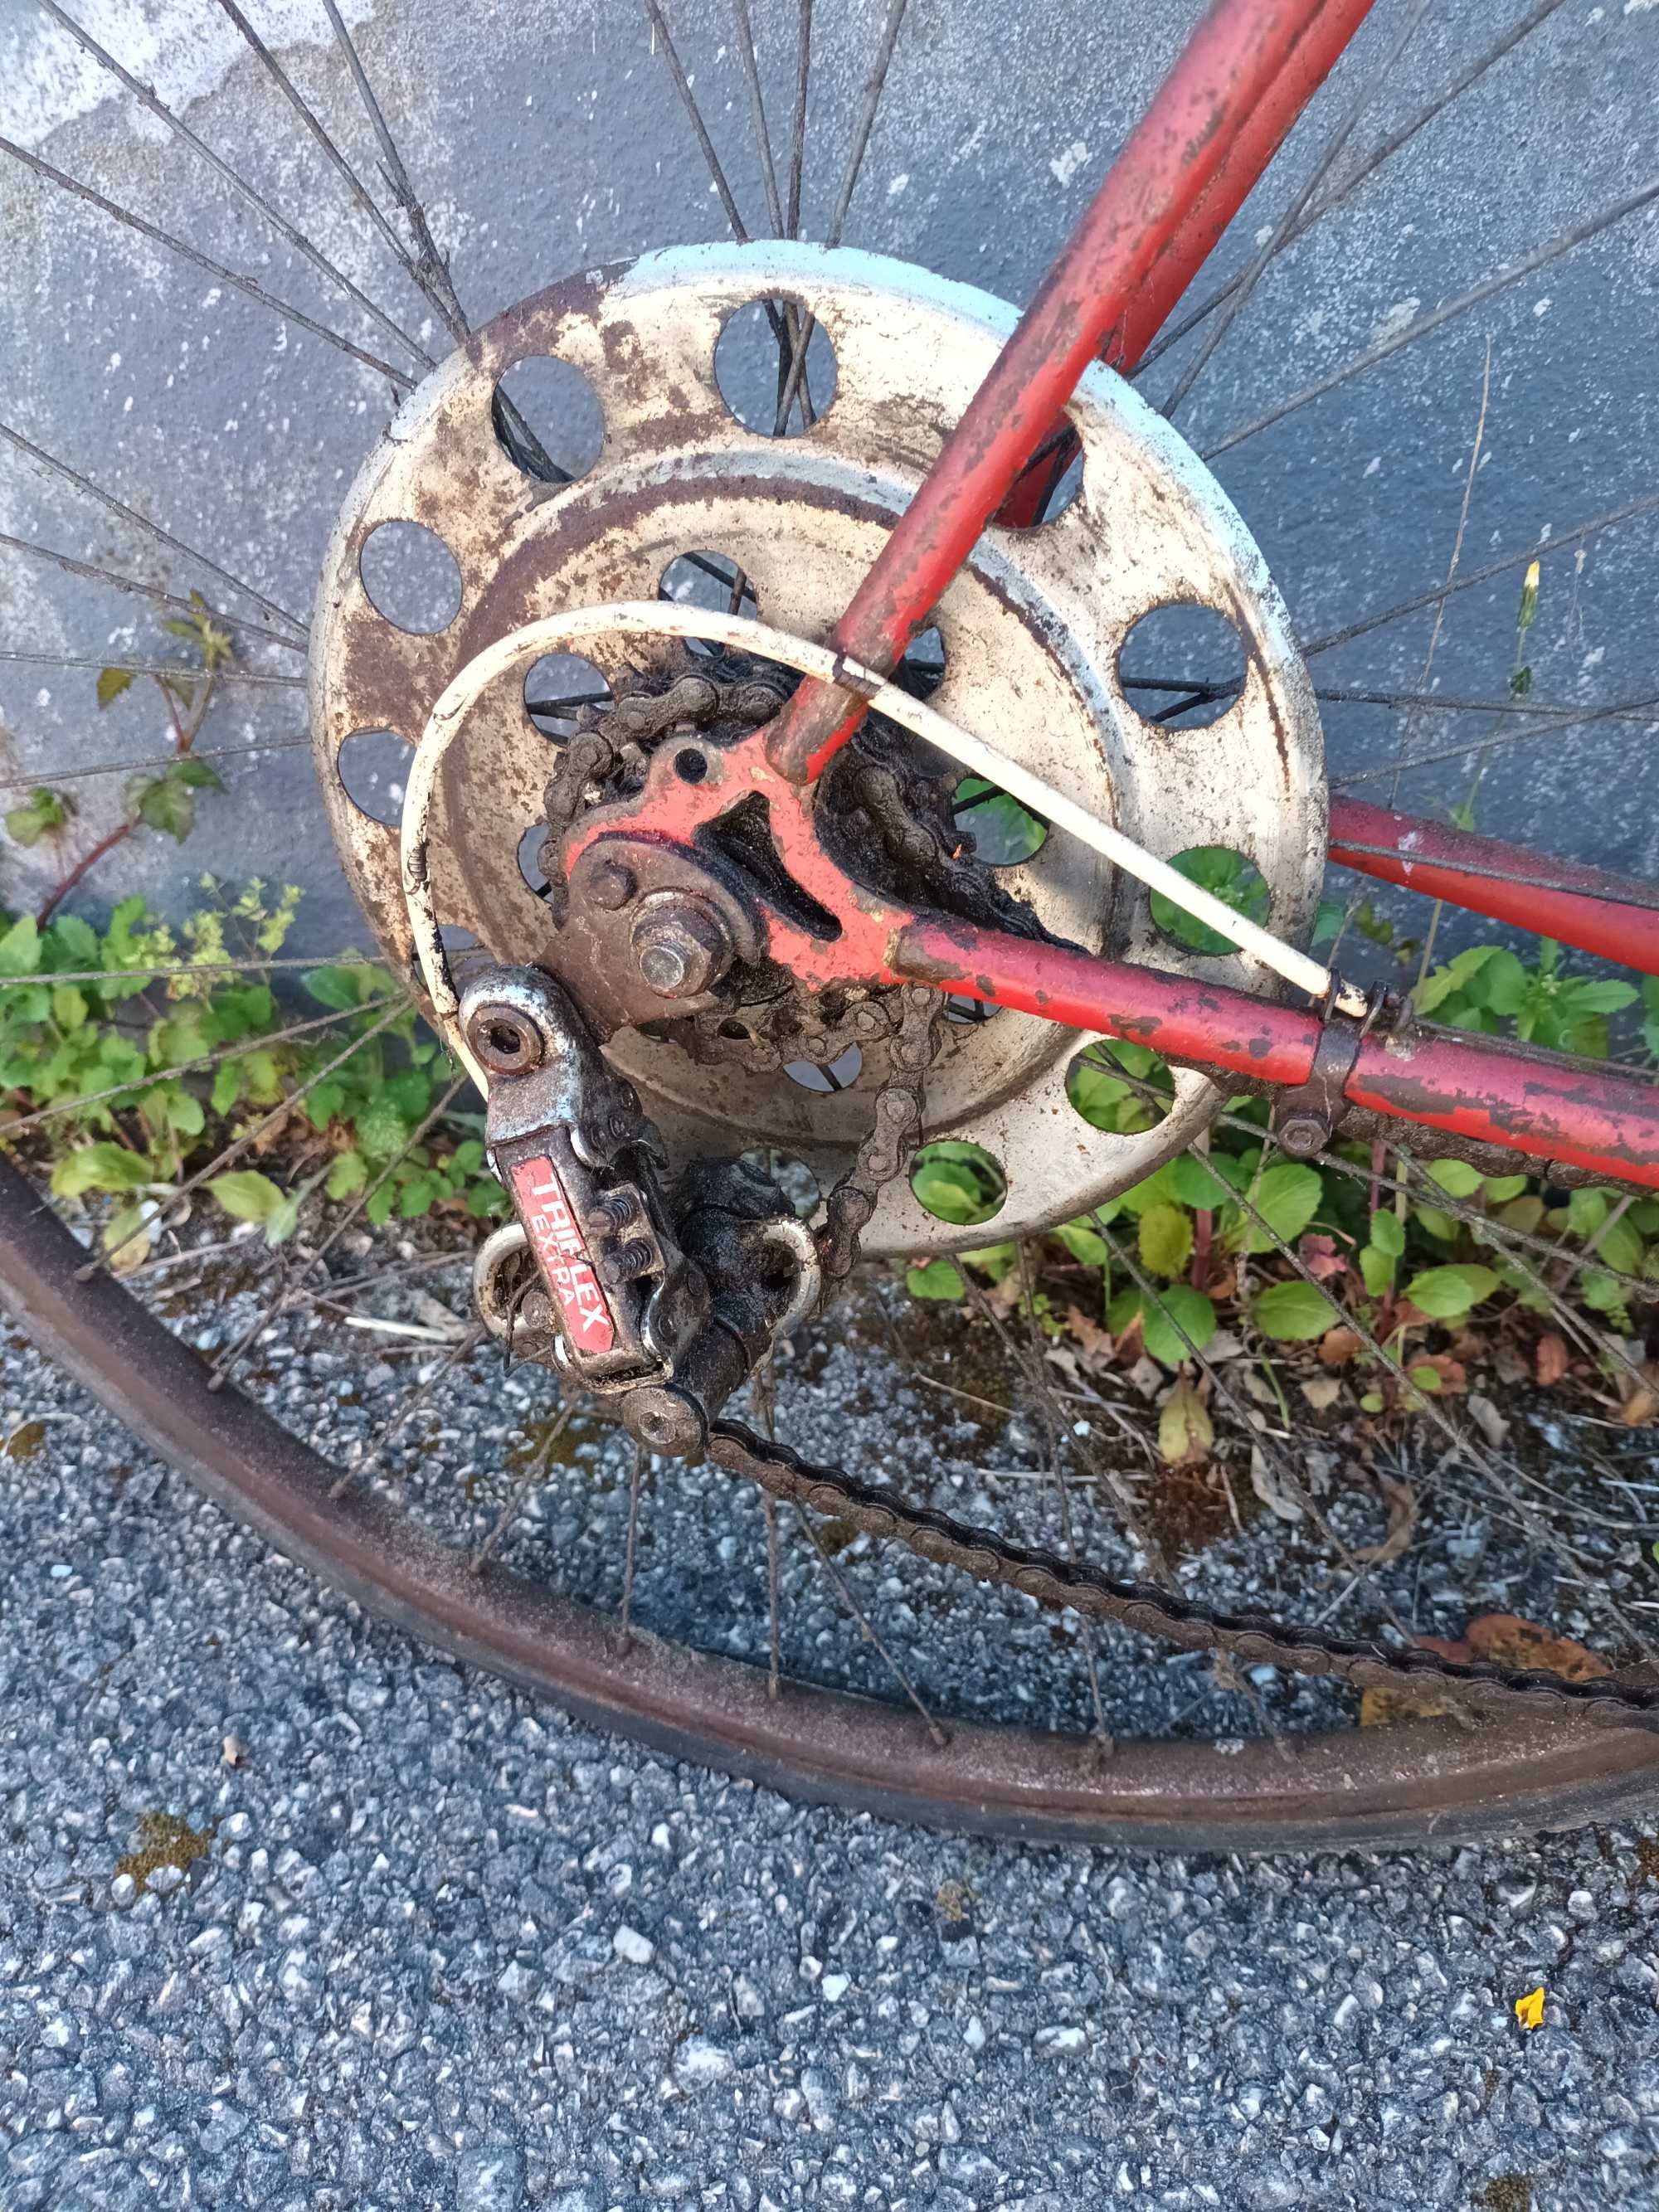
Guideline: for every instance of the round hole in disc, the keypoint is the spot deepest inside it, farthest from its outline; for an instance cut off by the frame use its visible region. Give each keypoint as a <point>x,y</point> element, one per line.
<point>747,355</point>
<point>556,690</point>
<point>703,579</point>
<point>373,766</point>
<point>922,669</point>
<point>1183,666</point>
<point>548,418</point>
<point>690,765</point>
<point>1231,876</point>
<point>530,866</point>
<point>834,1075</point>
<point>1053,481</point>
<point>1004,832</point>
<point>1118,1087</point>
<point>969,1013</point>
<point>411,577</point>
<point>958,1183</point>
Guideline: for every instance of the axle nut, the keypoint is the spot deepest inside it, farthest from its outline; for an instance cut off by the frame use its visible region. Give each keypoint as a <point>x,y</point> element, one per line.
<point>680,946</point>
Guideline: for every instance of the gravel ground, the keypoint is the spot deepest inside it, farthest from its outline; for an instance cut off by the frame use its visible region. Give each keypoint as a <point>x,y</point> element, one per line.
<point>432,1945</point>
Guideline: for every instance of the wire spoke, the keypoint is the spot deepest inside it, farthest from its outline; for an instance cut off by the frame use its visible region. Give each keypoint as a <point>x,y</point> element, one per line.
<point>152,530</point>
<point>534,1471</point>
<point>170,670</point>
<point>1583,720</point>
<point>875,84</point>
<point>1286,229</point>
<point>254,965</point>
<point>1421,326</point>
<point>797,123</point>
<point>453,1358</point>
<point>636,1484</point>
<point>1645,504</point>
<point>249,285</point>
<point>71,566</point>
<point>278,222</point>
<point>751,61</point>
<point>868,1629</point>
<point>156,761</point>
<point>1367,167</point>
<point>1437,702</point>
<point>429,269</point>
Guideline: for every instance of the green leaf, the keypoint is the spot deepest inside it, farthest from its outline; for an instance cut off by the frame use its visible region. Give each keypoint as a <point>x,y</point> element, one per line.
<point>378,1212</point>
<point>1426,1378</point>
<point>1293,1312</point>
<point>1455,1177</point>
<point>227,1085</point>
<point>938,1278</point>
<point>112,682</point>
<point>1198,1182</point>
<point>1178,1303</point>
<point>1166,1240</point>
<point>1085,1242</point>
<point>1448,1293</point>
<point>1387,1233</point>
<point>69,1006</point>
<point>100,1167</point>
<point>1287,1198</point>
<point>20,948</point>
<point>1501,986</point>
<point>42,813</point>
<point>1229,877</point>
<point>247,1195</point>
<point>993,1260</point>
<point>1621,1246</point>
<point>162,803</point>
<point>345,986</point>
<point>199,775</point>
<point>1376,1268</point>
<point>77,940</point>
<point>1587,1209</point>
<point>1501,1189</point>
<point>347,1175</point>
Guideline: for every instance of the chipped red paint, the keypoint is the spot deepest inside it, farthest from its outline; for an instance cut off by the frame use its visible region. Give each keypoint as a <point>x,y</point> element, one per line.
<point>1539,1103</point>
<point>1612,915</point>
<point>1227,102</point>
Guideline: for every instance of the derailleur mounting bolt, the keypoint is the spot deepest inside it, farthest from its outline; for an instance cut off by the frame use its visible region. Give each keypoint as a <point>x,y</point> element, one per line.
<point>681,948</point>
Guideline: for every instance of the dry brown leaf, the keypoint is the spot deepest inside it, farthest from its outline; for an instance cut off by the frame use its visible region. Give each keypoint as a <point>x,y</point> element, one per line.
<point>1185,1433</point>
<point>1402,1523</point>
<point>1552,1359</point>
<point>1509,1641</point>
<point>1641,1399</point>
<point>1063,1357</point>
<point>1093,1341</point>
<point>1320,1256</point>
<point>1386,1708</point>
<point>1338,1346</point>
<point>1512,1368</point>
<point>1320,1391</point>
<point>1265,1482</point>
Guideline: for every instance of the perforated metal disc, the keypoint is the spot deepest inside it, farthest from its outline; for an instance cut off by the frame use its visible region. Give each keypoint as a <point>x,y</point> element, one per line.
<point>1032,630</point>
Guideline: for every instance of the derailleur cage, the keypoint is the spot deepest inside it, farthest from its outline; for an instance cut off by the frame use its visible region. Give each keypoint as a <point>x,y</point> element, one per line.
<point>668,1300</point>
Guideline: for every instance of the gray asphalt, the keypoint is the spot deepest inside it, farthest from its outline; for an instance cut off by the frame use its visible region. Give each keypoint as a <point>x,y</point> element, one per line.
<point>434,1946</point>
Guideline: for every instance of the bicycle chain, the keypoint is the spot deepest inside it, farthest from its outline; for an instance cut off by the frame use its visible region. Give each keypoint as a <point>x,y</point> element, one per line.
<point>1252,1639</point>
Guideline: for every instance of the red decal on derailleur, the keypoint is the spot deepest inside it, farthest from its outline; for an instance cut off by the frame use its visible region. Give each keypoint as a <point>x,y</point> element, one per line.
<point>557,1242</point>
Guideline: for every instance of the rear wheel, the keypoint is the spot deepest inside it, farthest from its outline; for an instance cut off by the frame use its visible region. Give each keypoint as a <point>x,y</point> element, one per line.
<point>1054,1358</point>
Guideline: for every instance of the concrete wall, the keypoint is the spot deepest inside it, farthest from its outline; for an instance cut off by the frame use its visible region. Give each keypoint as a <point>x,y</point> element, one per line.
<point>547,138</point>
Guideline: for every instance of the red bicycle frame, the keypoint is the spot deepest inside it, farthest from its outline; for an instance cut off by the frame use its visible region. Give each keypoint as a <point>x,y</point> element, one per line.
<point>1213,126</point>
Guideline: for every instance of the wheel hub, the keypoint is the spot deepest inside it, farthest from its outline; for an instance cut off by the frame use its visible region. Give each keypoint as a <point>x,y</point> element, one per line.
<point>1031,632</point>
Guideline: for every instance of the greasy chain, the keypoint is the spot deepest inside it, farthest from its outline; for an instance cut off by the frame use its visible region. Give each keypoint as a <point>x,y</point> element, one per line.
<point>1253,1639</point>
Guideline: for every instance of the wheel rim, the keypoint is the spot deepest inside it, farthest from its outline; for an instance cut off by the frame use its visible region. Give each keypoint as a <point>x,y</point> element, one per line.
<point>1346,1789</point>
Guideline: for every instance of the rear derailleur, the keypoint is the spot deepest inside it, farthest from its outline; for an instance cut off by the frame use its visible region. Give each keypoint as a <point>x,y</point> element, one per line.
<point>667,1299</point>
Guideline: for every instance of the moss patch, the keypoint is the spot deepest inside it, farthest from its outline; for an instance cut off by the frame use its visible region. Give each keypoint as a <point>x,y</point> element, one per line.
<point>165,1840</point>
